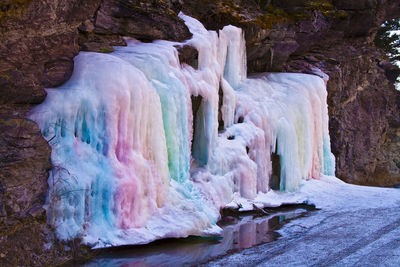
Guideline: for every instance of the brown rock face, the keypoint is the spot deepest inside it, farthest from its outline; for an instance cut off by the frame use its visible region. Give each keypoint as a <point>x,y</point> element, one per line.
<point>24,158</point>
<point>142,20</point>
<point>145,20</point>
<point>363,104</point>
<point>38,40</point>
<point>364,116</point>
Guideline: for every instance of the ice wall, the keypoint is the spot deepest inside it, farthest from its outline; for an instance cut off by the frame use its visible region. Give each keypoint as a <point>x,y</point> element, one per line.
<point>132,163</point>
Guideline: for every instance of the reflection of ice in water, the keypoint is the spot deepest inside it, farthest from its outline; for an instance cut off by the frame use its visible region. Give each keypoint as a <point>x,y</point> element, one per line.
<point>248,232</point>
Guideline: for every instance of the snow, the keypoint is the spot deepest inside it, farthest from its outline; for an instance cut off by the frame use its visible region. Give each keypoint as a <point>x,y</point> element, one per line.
<point>334,197</point>
<point>355,226</point>
<point>327,193</point>
<point>132,163</point>
<point>330,194</point>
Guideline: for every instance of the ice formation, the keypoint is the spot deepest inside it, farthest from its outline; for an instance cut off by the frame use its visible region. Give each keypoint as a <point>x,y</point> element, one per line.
<point>135,159</point>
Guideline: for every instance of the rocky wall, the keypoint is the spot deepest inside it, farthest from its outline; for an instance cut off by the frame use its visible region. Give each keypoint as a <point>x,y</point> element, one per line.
<point>39,39</point>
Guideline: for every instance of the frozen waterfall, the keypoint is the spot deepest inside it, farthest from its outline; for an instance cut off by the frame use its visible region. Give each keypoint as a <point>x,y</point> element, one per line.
<point>137,146</point>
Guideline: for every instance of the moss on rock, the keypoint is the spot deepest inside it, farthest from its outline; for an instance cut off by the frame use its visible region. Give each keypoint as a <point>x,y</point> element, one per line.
<point>13,8</point>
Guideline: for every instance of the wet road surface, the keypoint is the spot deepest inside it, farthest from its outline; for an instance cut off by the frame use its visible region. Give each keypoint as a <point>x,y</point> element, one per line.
<point>366,237</point>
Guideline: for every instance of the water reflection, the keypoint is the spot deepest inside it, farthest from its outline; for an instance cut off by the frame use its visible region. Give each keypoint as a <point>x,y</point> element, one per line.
<point>245,233</point>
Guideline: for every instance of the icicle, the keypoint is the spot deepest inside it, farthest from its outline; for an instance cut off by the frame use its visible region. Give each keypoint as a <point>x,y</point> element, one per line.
<point>235,65</point>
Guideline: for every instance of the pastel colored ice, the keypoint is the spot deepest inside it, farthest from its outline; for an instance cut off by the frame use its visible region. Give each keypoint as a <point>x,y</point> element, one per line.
<point>146,147</point>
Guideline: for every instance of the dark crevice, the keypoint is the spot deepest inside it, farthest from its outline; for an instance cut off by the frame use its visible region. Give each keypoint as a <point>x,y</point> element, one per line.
<point>221,125</point>
<point>188,55</point>
<point>199,138</point>
<point>196,102</point>
<point>275,180</point>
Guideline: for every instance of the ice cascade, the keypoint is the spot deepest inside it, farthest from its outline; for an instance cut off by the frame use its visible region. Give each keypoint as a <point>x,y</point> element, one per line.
<point>146,147</point>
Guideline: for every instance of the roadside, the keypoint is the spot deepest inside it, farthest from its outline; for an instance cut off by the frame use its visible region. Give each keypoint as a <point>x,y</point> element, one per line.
<point>356,226</point>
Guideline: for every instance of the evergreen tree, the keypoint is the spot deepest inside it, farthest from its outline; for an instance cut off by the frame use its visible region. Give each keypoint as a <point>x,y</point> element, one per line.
<point>388,39</point>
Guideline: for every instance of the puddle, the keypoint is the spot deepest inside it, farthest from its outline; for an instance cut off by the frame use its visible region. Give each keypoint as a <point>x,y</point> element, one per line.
<point>238,233</point>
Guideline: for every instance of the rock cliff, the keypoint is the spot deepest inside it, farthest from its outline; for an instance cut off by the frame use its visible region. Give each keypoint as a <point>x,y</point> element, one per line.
<point>40,38</point>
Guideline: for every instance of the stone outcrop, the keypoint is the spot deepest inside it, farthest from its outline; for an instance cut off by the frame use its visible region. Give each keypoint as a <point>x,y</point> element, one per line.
<point>39,38</point>
<point>142,20</point>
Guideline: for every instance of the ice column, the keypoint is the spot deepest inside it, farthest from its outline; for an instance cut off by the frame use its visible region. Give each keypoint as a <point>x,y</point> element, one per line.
<point>109,155</point>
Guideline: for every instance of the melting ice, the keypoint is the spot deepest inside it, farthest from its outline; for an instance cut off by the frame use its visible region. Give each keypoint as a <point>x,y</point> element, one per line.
<point>139,152</point>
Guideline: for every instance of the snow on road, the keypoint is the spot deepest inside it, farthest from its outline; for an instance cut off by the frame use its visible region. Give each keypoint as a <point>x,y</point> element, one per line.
<point>355,226</point>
